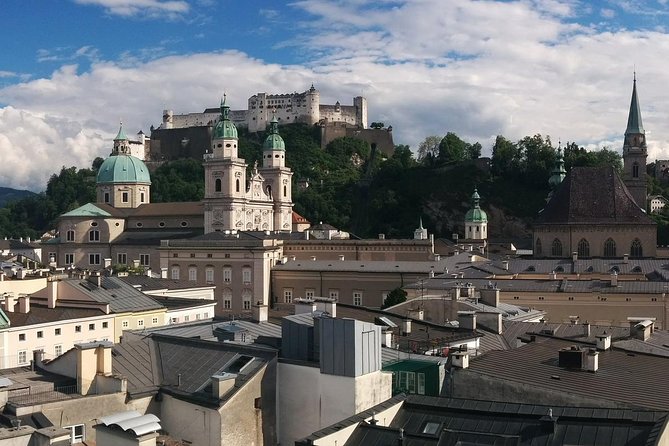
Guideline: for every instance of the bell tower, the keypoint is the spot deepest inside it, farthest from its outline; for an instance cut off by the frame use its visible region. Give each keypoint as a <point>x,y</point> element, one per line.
<point>277,178</point>
<point>635,153</point>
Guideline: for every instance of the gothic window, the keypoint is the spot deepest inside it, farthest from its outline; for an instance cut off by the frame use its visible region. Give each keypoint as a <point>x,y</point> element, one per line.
<point>237,185</point>
<point>636,250</point>
<point>609,248</point>
<point>537,248</point>
<point>583,248</point>
<point>556,248</point>
<point>218,185</point>
<point>635,170</point>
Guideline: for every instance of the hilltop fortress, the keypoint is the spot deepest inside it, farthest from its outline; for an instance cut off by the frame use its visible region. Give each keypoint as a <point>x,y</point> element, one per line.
<point>188,135</point>
<point>289,108</point>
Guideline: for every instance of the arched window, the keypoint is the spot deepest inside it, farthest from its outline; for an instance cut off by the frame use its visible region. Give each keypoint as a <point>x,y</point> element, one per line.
<point>237,185</point>
<point>176,272</point>
<point>635,170</point>
<point>609,248</point>
<point>218,186</point>
<point>583,248</point>
<point>537,248</point>
<point>636,250</point>
<point>556,248</point>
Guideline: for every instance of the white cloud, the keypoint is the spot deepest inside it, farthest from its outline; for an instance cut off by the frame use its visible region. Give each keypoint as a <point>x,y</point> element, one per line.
<point>478,68</point>
<point>134,8</point>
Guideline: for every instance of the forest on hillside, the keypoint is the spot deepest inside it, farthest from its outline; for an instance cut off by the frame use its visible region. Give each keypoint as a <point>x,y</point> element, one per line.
<point>354,188</point>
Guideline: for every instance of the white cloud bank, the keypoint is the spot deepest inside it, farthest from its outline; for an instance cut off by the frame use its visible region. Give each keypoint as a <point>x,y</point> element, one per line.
<point>477,68</point>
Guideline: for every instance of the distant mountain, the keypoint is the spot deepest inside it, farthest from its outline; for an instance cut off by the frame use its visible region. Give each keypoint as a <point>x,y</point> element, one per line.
<point>8,194</point>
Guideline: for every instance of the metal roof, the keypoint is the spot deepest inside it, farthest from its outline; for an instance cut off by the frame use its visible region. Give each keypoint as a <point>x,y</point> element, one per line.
<point>120,296</point>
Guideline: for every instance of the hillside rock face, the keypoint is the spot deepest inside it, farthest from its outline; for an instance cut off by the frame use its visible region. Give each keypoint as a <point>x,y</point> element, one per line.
<point>449,220</point>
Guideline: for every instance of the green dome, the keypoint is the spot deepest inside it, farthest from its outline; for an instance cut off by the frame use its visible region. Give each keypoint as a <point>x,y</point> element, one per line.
<point>225,129</point>
<point>476,215</point>
<point>123,169</point>
<point>274,141</point>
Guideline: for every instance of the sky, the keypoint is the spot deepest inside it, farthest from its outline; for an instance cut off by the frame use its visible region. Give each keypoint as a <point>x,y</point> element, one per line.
<point>71,70</point>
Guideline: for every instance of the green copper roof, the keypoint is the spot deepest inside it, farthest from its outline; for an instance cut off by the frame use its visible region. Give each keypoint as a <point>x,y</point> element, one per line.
<point>121,134</point>
<point>87,210</point>
<point>274,141</point>
<point>4,320</point>
<point>558,173</point>
<point>476,214</point>
<point>123,169</point>
<point>225,129</point>
<point>634,124</point>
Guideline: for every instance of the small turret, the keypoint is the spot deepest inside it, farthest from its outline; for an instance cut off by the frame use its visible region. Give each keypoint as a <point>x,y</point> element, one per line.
<point>224,136</point>
<point>476,220</point>
<point>421,232</point>
<point>558,173</point>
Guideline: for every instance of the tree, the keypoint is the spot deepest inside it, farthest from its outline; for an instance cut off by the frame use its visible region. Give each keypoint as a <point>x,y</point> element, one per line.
<point>505,157</point>
<point>395,297</point>
<point>538,158</point>
<point>473,151</point>
<point>377,125</point>
<point>429,148</point>
<point>452,148</point>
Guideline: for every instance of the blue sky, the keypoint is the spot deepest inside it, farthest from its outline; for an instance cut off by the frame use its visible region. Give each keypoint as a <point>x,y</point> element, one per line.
<point>71,69</point>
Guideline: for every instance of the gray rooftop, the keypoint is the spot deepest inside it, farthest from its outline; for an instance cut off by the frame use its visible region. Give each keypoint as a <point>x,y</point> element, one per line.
<point>120,296</point>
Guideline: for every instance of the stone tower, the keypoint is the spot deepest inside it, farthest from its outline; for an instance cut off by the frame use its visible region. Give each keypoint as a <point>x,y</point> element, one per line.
<point>476,220</point>
<point>123,181</point>
<point>224,177</point>
<point>635,153</point>
<point>277,177</point>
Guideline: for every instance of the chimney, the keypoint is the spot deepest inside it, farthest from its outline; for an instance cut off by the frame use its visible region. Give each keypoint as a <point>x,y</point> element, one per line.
<point>586,329</point>
<point>437,257</point>
<point>614,278</point>
<point>329,305</point>
<point>431,274</point>
<point>641,330</point>
<point>626,258</point>
<point>103,353</point>
<point>382,236</point>
<point>24,304</point>
<point>416,313</point>
<point>260,312</point>
<point>603,341</point>
<point>221,384</point>
<point>574,256</point>
<point>313,258</point>
<point>455,296</point>
<point>549,422</point>
<point>406,327</point>
<point>10,301</point>
<point>591,360</point>
<point>460,360</point>
<point>467,320</point>
<point>52,296</point>
<point>400,438</point>
<point>505,265</point>
<point>341,257</point>
<point>387,337</point>
<point>107,263</point>
<point>490,296</point>
<point>293,258</point>
<point>304,306</point>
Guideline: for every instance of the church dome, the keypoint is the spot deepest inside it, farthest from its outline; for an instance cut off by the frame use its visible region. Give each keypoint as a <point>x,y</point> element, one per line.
<point>476,214</point>
<point>274,141</point>
<point>225,129</point>
<point>123,169</point>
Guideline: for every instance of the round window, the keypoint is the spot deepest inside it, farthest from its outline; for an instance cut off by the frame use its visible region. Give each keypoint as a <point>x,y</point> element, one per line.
<point>184,223</point>
<point>94,223</point>
<point>161,224</point>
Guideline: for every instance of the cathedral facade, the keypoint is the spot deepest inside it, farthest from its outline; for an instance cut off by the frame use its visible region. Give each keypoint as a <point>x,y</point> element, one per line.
<point>264,202</point>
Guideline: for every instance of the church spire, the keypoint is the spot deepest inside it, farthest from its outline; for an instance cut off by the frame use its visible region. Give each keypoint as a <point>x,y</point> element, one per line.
<point>634,124</point>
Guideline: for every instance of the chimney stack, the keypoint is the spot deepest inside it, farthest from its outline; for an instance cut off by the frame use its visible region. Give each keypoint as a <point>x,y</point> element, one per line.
<point>406,327</point>
<point>467,320</point>
<point>603,341</point>
<point>52,296</point>
<point>221,384</point>
<point>10,301</point>
<point>24,304</point>
<point>460,360</point>
<point>614,278</point>
<point>591,360</point>
<point>260,312</point>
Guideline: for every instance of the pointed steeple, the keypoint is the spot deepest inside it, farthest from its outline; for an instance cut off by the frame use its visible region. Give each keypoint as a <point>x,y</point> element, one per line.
<point>121,134</point>
<point>634,124</point>
<point>420,223</point>
<point>225,129</point>
<point>225,109</point>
